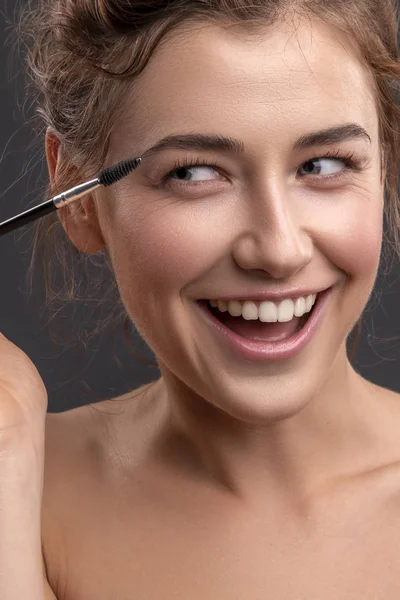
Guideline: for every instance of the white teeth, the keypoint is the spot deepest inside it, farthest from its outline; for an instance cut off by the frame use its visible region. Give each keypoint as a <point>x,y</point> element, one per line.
<point>222,306</point>
<point>266,311</point>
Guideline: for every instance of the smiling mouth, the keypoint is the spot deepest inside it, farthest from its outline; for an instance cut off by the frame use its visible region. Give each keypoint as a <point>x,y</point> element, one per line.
<point>256,329</point>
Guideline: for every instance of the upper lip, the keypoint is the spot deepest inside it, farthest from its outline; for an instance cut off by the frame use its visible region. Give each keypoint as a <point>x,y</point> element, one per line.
<point>259,296</point>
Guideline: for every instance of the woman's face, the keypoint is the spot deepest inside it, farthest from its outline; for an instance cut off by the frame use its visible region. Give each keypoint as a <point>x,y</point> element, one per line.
<point>258,220</point>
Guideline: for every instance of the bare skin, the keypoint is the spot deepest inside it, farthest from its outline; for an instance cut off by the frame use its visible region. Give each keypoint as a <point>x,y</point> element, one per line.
<point>232,479</point>
<point>124,517</point>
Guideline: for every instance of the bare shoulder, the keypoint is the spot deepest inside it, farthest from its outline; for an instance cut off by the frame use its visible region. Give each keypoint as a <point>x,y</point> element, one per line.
<point>384,462</point>
<point>388,398</point>
<point>79,432</point>
<point>65,476</point>
<point>82,444</point>
<point>82,447</point>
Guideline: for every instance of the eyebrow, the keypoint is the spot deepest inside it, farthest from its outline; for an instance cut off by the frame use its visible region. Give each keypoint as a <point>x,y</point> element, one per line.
<point>207,142</point>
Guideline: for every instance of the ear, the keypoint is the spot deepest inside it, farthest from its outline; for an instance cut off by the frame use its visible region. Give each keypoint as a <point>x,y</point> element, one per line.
<point>79,219</point>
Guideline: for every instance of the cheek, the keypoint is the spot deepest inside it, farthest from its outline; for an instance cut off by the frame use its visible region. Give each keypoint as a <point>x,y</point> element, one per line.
<point>356,239</point>
<point>171,246</point>
<point>164,249</point>
<point>352,242</point>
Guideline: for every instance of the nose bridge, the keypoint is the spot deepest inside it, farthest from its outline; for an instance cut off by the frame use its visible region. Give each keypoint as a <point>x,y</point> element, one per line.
<point>272,238</point>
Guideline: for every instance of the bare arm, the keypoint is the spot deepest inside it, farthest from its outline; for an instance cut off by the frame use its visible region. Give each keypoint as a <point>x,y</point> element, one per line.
<point>21,484</point>
<point>23,406</point>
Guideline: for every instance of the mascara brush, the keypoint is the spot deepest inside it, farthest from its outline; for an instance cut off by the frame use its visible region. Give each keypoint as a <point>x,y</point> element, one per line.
<point>105,178</point>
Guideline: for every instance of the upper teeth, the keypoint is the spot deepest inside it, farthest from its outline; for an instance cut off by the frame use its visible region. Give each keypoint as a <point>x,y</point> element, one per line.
<point>267,311</point>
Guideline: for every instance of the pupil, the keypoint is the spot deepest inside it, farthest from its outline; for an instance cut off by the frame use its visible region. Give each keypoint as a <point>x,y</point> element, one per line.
<point>308,167</point>
<point>181,171</point>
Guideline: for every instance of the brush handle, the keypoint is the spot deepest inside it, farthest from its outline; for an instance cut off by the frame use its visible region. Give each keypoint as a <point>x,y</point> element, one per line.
<point>49,206</point>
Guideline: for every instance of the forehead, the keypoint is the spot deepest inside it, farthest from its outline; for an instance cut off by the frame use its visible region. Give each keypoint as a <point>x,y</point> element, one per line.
<point>275,83</point>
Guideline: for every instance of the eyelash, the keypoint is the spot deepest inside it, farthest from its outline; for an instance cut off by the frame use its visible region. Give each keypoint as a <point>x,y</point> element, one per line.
<point>347,158</point>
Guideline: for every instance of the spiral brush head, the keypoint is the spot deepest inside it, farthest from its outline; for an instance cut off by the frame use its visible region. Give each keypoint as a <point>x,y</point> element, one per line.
<point>118,171</point>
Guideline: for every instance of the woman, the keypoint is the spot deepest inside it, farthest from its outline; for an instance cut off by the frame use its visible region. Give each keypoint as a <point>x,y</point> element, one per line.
<point>249,469</point>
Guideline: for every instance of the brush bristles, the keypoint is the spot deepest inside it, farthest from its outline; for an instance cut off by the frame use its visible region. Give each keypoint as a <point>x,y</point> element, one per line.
<point>118,171</point>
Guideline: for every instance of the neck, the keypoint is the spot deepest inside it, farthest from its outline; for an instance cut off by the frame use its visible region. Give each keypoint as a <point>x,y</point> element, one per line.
<point>332,435</point>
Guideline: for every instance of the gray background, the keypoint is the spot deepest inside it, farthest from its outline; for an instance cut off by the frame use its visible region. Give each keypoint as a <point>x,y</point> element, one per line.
<point>74,378</point>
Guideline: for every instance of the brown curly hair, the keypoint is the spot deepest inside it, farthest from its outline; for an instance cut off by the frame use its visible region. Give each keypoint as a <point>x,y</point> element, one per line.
<point>82,55</point>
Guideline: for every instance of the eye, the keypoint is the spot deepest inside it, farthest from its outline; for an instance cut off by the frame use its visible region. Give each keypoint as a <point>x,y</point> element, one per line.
<point>321,169</point>
<point>182,173</point>
<point>311,167</point>
<point>316,166</point>
<point>189,170</point>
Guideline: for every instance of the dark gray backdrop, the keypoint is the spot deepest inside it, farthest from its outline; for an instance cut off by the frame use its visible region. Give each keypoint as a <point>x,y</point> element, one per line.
<point>22,171</point>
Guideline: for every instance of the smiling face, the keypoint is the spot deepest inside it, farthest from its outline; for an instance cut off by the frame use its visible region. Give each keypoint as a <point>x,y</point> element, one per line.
<point>263,219</point>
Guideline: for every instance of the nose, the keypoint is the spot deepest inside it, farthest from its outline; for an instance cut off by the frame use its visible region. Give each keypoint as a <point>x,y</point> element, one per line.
<point>273,238</point>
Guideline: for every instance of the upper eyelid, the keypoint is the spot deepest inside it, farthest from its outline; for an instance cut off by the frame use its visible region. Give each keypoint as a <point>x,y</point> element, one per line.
<point>343,156</point>
<point>208,160</point>
<point>355,163</point>
<point>162,174</point>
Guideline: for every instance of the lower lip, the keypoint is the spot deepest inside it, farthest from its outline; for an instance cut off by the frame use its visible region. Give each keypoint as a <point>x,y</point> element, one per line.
<point>280,350</point>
